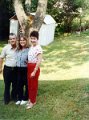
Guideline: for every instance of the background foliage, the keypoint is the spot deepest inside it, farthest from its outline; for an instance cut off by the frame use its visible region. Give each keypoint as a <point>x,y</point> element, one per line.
<point>65,12</point>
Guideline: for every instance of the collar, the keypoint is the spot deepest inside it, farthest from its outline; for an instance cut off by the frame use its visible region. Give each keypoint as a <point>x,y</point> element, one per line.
<point>13,48</point>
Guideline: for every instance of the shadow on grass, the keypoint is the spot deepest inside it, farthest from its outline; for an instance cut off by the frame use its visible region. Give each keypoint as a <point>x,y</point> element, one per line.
<point>2,44</point>
<point>56,100</point>
<point>60,86</point>
<point>57,86</point>
<point>1,90</point>
<point>66,52</point>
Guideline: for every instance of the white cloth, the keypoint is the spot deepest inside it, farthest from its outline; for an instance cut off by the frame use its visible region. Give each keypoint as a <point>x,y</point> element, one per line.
<point>33,52</point>
<point>10,55</point>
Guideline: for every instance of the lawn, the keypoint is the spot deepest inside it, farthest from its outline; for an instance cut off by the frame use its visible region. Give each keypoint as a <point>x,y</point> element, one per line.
<point>66,58</point>
<point>56,100</point>
<point>63,86</point>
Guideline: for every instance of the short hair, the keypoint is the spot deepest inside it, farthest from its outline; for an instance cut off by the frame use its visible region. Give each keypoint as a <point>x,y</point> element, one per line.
<point>34,34</point>
<point>11,34</point>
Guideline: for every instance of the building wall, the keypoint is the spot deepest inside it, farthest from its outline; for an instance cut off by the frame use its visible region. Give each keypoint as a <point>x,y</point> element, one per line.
<point>14,26</point>
<point>46,34</point>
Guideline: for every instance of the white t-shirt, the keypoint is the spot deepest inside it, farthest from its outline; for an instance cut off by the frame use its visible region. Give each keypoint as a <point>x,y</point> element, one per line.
<point>33,52</point>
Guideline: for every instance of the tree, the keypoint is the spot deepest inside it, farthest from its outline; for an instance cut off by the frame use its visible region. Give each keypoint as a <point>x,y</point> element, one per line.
<point>64,12</point>
<point>27,22</point>
<point>70,11</point>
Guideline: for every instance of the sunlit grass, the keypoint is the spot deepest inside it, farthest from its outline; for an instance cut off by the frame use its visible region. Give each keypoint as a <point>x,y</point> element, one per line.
<point>67,58</point>
<point>67,55</point>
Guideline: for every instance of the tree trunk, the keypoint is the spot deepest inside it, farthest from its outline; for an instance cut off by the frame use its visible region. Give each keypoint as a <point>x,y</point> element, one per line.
<point>21,15</point>
<point>40,14</point>
<point>26,22</point>
<point>27,6</point>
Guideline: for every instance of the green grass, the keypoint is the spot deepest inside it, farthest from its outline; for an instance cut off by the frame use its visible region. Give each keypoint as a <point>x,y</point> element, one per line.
<point>56,100</point>
<point>64,49</point>
<point>65,56</point>
<point>63,86</point>
<point>2,44</point>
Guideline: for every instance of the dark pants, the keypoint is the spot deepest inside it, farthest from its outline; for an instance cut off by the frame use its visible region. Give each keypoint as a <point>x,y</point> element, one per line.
<point>22,86</point>
<point>10,78</point>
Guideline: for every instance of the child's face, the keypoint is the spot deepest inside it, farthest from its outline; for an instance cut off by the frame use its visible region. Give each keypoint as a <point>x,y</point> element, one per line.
<point>34,40</point>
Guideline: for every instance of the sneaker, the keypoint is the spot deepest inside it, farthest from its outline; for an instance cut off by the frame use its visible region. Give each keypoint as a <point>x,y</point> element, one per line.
<point>23,102</point>
<point>18,102</point>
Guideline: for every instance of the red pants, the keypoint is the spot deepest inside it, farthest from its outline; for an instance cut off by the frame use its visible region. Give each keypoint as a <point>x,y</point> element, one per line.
<point>32,82</point>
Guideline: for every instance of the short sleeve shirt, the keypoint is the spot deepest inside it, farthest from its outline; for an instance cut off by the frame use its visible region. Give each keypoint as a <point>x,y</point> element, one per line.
<point>9,54</point>
<point>33,52</point>
<point>22,57</point>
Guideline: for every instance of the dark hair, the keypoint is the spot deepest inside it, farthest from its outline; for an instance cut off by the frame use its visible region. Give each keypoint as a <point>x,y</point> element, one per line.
<point>11,34</point>
<point>34,34</point>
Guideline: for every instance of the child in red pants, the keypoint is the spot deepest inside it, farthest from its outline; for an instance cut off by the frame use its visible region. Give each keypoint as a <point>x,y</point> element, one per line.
<point>34,61</point>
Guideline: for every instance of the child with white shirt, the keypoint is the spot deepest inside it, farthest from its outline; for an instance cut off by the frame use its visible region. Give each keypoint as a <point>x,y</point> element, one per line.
<point>34,61</point>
